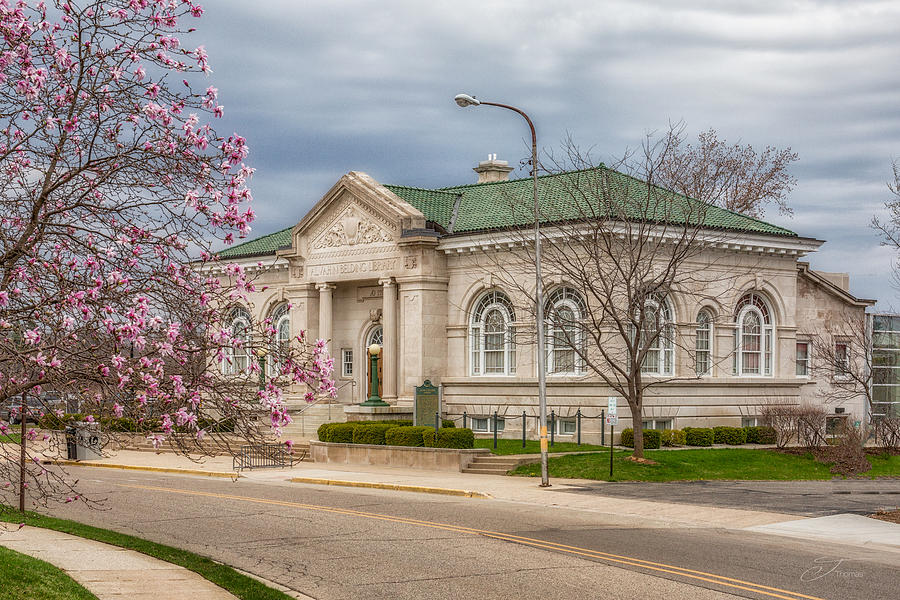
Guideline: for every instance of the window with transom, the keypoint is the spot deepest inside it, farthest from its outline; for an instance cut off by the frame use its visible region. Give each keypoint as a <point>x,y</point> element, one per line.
<point>564,312</point>
<point>754,336</point>
<point>491,335</point>
<point>280,329</point>
<point>703,343</point>
<point>237,356</point>
<point>657,336</point>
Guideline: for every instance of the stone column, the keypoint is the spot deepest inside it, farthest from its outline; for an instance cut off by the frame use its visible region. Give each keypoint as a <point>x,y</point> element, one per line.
<point>389,324</point>
<point>325,314</point>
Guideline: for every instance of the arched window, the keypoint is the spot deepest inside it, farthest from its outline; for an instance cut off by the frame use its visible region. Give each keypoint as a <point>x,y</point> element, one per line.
<point>564,312</point>
<point>703,343</point>
<point>657,336</point>
<point>280,321</point>
<point>237,356</point>
<point>491,335</point>
<point>754,334</point>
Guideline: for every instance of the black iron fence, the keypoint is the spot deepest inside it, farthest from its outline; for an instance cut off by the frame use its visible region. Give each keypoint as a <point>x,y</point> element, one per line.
<point>260,456</point>
<point>553,421</point>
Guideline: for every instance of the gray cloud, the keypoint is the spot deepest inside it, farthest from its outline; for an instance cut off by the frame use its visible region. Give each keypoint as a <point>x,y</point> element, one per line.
<point>323,87</point>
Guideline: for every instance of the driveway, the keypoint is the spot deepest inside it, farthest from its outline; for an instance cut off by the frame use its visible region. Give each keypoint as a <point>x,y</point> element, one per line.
<point>806,498</point>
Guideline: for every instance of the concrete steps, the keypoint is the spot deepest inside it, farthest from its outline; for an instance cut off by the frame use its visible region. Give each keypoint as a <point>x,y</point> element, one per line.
<point>493,465</point>
<point>307,422</point>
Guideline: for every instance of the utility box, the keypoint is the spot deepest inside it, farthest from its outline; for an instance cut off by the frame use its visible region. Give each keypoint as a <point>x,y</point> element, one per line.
<point>87,441</point>
<point>71,443</point>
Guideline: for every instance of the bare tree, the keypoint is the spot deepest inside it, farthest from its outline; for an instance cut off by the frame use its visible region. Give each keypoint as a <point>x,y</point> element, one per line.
<point>841,360</point>
<point>625,247</point>
<point>734,176</point>
<point>847,362</point>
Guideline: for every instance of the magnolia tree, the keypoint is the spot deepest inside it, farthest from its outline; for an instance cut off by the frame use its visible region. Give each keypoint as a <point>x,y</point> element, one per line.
<point>115,185</point>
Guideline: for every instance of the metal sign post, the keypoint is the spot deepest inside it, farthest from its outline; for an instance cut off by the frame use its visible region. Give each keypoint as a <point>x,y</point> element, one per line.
<point>611,433</point>
<point>612,418</point>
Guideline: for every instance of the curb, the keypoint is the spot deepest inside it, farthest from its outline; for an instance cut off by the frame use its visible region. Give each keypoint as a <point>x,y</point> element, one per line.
<point>78,463</point>
<point>394,487</point>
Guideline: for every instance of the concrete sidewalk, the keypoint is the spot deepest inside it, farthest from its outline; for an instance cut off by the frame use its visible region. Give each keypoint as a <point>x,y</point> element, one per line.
<point>110,572</point>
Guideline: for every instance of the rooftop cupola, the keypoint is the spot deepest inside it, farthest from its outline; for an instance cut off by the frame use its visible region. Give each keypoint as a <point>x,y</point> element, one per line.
<point>492,170</point>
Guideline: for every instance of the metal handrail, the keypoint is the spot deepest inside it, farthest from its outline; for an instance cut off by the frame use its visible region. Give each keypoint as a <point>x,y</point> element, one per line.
<point>311,404</point>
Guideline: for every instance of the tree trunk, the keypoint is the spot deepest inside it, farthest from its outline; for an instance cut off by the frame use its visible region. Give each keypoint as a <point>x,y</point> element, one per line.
<point>637,427</point>
<point>23,417</point>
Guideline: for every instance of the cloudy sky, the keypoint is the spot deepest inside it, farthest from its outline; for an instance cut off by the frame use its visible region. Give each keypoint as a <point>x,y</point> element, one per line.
<point>322,87</point>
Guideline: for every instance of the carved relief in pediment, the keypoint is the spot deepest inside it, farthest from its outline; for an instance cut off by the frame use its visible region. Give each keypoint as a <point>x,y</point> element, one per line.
<point>350,230</point>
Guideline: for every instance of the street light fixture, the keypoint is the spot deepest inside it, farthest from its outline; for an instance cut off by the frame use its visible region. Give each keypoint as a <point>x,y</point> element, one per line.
<point>464,100</point>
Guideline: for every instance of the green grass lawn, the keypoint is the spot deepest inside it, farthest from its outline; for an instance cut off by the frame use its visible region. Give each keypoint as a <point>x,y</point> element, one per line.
<point>506,447</point>
<point>27,578</point>
<point>224,576</point>
<point>678,465</point>
<point>10,438</point>
<point>884,465</point>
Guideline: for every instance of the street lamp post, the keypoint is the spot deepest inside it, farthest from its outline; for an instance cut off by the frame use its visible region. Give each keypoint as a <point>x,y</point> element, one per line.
<point>464,101</point>
<point>374,399</point>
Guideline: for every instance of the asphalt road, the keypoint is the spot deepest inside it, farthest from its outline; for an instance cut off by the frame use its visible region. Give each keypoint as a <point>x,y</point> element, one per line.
<point>805,498</point>
<point>351,543</point>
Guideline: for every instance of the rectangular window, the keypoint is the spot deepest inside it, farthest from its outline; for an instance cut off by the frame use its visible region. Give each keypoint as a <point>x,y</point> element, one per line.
<point>834,424</point>
<point>483,424</point>
<point>751,421</point>
<point>841,359</point>
<point>657,424</point>
<point>703,350</point>
<point>567,427</point>
<point>803,359</point>
<point>346,362</point>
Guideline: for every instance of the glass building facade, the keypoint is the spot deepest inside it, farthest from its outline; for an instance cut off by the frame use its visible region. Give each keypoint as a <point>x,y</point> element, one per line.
<point>885,350</point>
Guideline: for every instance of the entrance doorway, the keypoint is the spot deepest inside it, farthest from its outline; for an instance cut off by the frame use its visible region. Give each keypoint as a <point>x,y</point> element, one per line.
<point>376,336</point>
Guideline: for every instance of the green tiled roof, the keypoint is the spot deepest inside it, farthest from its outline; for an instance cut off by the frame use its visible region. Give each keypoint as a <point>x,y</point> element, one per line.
<point>575,194</point>
<point>437,206</point>
<point>266,244</point>
<point>571,195</point>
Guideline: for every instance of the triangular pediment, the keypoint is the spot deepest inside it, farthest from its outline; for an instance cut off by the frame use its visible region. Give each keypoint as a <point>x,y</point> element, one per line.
<point>356,213</point>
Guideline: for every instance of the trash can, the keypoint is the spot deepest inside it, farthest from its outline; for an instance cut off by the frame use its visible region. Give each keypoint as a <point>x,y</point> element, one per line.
<point>87,441</point>
<point>71,452</point>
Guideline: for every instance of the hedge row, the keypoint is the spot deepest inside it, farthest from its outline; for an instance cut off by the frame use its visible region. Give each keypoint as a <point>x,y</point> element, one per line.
<point>701,436</point>
<point>129,425</point>
<point>396,433</point>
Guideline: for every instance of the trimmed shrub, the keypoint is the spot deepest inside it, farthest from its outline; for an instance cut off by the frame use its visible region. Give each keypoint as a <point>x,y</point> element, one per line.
<point>448,423</point>
<point>371,434</point>
<point>698,436</point>
<point>733,436</point>
<point>217,425</point>
<point>406,436</point>
<point>652,438</point>
<point>672,437</point>
<point>428,437</point>
<point>762,434</point>
<point>322,431</point>
<point>341,433</point>
<point>454,437</point>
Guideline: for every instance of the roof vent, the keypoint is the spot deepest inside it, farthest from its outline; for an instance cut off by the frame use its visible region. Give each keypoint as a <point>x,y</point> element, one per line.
<point>492,170</point>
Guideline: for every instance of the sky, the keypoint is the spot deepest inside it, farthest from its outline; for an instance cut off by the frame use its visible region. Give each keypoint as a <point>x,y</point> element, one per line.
<point>323,87</point>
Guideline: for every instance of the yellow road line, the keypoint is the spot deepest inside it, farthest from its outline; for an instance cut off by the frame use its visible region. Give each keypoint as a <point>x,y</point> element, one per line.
<point>764,590</point>
<point>82,463</point>
<point>397,487</point>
